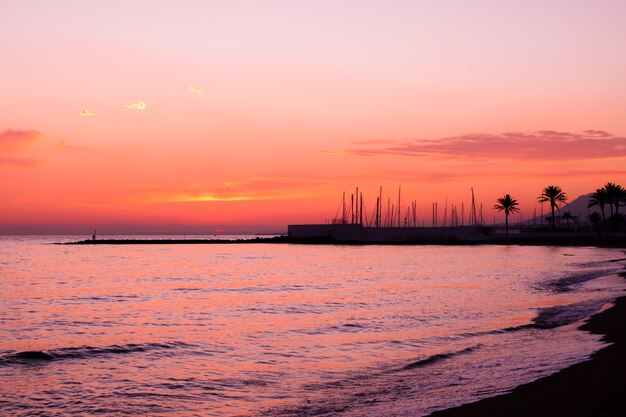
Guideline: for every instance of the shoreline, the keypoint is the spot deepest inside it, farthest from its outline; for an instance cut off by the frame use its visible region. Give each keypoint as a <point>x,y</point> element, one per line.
<point>594,387</point>
<point>612,241</point>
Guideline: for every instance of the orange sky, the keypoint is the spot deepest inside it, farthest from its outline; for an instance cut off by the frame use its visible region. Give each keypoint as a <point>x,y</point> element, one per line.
<point>246,116</point>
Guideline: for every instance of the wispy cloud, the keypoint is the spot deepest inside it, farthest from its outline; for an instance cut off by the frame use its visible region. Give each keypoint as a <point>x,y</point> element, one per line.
<point>66,146</point>
<point>539,145</point>
<point>195,89</point>
<point>13,142</point>
<point>18,161</point>
<point>140,105</point>
<point>86,112</point>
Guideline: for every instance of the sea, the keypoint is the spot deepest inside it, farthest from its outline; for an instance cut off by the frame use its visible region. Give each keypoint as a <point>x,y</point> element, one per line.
<point>288,329</point>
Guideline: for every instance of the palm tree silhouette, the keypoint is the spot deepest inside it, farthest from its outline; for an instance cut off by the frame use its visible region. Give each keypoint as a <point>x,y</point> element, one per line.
<point>567,216</point>
<point>599,198</point>
<point>594,218</point>
<point>553,194</point>
<point>509,205</point>
<point>614,195</point>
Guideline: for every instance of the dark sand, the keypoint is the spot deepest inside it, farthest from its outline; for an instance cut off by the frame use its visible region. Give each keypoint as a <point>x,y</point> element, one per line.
<point>596,387</point>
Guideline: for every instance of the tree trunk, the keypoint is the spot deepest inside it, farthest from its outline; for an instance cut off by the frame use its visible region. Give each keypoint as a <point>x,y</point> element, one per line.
<point>603,215</point>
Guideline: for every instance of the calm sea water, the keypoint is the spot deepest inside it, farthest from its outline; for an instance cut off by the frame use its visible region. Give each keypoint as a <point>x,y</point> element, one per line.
<point>287,330</point>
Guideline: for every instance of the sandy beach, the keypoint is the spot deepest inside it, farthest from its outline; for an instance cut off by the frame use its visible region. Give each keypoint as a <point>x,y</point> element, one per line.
<point>591,388</point>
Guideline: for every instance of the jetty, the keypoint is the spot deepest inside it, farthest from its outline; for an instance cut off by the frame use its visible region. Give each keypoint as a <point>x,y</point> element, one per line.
<point>360,233</point>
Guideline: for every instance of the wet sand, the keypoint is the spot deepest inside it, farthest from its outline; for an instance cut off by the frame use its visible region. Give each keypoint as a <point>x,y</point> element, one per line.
<point>596,387</point>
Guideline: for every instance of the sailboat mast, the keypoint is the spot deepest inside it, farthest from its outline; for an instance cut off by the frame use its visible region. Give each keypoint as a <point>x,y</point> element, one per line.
<point>387,216</point>
<point>377,210</point>
<point>473,212</point>
<point>352,209</point>
<point>462,214</point>
<point>380,212</point>
<point>356,206</point>
<point>399,187</point>
<point>361,210</point>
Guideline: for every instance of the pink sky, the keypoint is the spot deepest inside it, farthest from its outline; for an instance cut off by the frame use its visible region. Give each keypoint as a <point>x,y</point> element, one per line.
<point>246,116</point>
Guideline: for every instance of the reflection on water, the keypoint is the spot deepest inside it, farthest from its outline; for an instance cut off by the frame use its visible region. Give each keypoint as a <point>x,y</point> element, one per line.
<point>262,329</point>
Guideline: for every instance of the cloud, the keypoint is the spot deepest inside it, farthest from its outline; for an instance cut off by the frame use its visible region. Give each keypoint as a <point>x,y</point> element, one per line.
<point>18,161</point>
<point>12,143</point>
<point>86,112</point>
<point>539,145</point>
<point>15,140</point>
<point>65,146</point>
<point>194,89</point>
<point>140,105</point>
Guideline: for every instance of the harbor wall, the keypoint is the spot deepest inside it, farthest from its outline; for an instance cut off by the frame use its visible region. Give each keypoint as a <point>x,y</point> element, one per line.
<point>358,233</point>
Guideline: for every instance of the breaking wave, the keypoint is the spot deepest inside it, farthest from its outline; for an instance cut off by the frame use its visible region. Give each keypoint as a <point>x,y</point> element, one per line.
<point>83,352</point>
<point>436,358</point>
<point>557,316</point>
<point>596,269</point>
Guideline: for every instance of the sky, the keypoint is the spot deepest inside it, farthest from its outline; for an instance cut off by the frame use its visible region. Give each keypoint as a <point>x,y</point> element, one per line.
<point>245,116</point>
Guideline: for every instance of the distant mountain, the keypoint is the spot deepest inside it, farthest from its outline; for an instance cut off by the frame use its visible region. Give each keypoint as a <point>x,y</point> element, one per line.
<point>578,208</point>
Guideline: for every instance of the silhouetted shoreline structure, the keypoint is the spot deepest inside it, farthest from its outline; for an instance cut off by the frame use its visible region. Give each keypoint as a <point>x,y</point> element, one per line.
<point>390,225</point>
<point>355,213</point>
<point>352,225</point>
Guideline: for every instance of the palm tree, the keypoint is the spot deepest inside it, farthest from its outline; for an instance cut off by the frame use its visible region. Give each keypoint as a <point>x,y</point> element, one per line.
<point>594,218</point>
<point>507,204</point>
<point>567,216</point>
<point>615,194</point>
<point>611,192</point>
<point>553,194</point>
<point>599,198</point>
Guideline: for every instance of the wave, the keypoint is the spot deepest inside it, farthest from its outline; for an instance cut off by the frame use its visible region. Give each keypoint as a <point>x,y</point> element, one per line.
<point>82,352</point>
<point>437,357</point>
<point>349,394</point>
<point>557,316</point>
<point>256,289</point>
<point>547,318</point>
<point>566,283</point>
<point>595,269</point>
<point>603,262</point>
